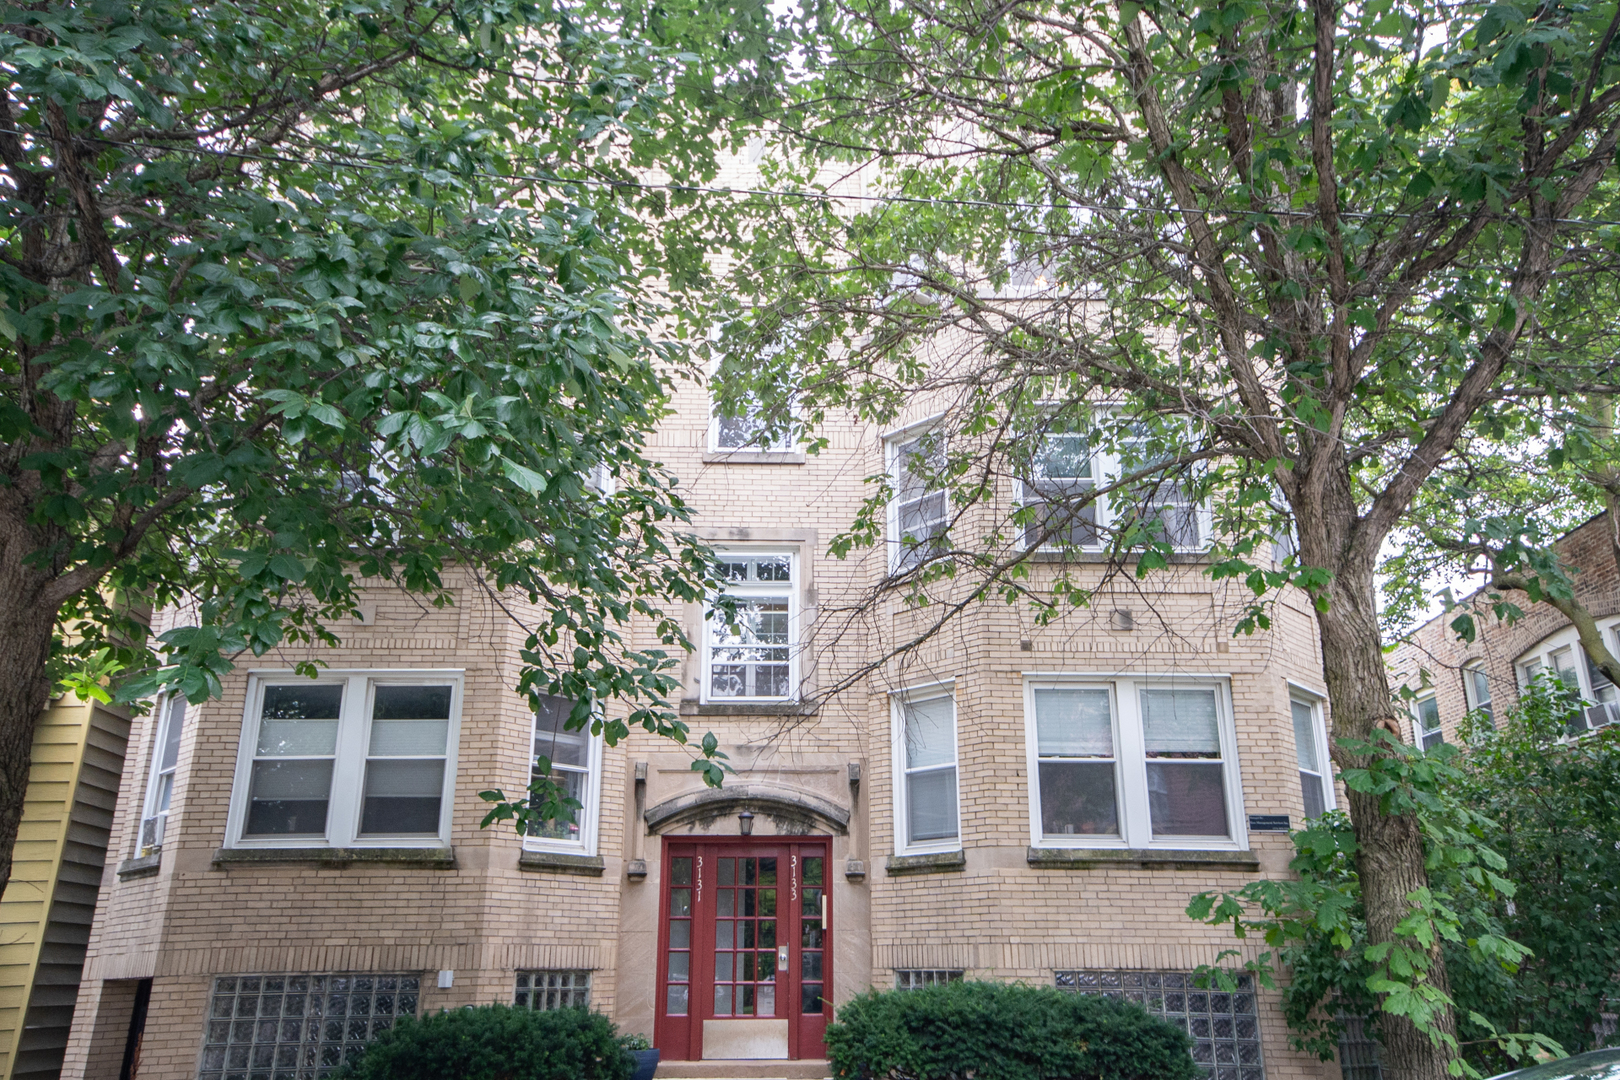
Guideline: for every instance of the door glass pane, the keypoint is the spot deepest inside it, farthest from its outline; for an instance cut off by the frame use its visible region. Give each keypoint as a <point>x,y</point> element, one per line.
<point>676,1001</point>
<point>680,902</point>
<point>680,934</point>
<point>728,871</point>
<point>681,871</point>
<point>1078,799</point>
<point>1186,798</point>
<point>931,805</point>
<point>1180,723</point>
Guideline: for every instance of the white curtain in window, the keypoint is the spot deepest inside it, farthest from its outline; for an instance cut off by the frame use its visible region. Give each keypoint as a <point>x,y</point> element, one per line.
<point>1074,723</point>
<point>930,735</point>
<point>1180,722</point>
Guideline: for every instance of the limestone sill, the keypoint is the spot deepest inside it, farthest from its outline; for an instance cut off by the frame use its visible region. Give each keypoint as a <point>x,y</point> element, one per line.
<point>1101,858</point>
<point>556,862</point>
<point>336,858</point>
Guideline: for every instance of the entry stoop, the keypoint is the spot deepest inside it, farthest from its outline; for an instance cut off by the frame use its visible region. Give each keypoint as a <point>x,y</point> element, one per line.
<point>743,1069</point>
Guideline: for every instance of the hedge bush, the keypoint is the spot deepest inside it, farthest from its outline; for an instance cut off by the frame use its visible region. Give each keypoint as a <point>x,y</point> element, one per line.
<point>1001,1031</point>
<point>496,1042</point>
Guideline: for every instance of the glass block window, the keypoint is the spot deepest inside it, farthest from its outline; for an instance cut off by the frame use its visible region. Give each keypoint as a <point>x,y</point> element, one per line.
<point>546,990</point>
<point>298,1027</point>
<point>917,978</point>
<point>1358,1050</point>
<point>1225,1028</point>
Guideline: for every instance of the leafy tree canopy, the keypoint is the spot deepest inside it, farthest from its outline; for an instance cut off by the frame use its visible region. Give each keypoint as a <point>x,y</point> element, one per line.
<point>300,295</point>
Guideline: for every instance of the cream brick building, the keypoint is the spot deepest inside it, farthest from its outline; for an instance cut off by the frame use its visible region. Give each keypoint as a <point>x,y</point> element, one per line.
<point>1010,802</point>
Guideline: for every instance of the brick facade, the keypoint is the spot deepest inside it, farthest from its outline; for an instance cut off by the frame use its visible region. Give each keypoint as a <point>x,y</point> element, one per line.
<point>994,914</point>
<point>1434,657</point>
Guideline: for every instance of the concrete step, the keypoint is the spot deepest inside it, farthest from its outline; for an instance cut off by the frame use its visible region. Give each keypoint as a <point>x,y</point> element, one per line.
<point>743,1069</point>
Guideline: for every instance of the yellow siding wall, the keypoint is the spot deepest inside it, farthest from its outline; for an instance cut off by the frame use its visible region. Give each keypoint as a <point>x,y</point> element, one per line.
<point>59,747</point>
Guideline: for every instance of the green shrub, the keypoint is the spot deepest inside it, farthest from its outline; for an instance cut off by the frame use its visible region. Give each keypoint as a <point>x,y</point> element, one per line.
<point>1000,1031</point>
<point>496,1042</point>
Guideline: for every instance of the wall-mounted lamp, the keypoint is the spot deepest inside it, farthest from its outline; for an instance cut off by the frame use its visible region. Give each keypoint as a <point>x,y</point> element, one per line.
<point>745,822</point>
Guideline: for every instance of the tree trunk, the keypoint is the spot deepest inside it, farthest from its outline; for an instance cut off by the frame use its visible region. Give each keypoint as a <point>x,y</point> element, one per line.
<point>1390,862</point>
<point>27,618</point>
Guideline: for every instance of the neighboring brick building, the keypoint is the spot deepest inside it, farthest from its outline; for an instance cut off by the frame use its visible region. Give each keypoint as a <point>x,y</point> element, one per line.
<point>1490,671</point>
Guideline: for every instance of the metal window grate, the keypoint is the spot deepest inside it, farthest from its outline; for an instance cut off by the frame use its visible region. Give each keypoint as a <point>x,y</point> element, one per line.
<point>1225,1027</point>
<point>917,978</point>
<point>546,990</point>
<point>298,1027</point>
<point>1358,1050</point>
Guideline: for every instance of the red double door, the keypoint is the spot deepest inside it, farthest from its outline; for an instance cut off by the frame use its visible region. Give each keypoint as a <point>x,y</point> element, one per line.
<point>745,949</point>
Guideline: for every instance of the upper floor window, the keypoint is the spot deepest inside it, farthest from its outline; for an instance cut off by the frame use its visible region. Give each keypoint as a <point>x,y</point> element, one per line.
<point>925,762</point>
<point>1477,690</point>
<point>1132,762</point>
<point>1428,721</point>
<point>1310,746</point>
<point>171,724</point>
<point>575,760</point>
<point>347,759</point>
<point>1063,474</point>
<point>754,657</point>
<point>920,509</point>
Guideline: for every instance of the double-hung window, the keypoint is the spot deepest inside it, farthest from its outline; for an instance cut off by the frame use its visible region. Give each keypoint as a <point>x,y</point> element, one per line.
<point>348,759</point>
<point>1310,746</point>
<point>1132,762</point>
<point>920,509</point>
<point>925,762</point>
<point>1563,656</point>
<point>754,657</point>
<point>1062,511</point>
<point>1477,690</point>
<point>575,759</point>
<point>1427,712</point>
<point>171,724</point>
<point>1163,497</point>
<point>1058,490</point>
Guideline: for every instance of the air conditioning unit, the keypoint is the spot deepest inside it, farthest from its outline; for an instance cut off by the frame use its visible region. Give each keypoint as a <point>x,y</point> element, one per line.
<point>152,833</point>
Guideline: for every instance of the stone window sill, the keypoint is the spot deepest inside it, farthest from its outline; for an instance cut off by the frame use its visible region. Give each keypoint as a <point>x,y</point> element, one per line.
<point>935,862</point>
<point>1100,858</point>
<point>758,708</point>
<point>557,862</point>
<point>336,858</point>
<point>753,457</point>
<point>143,866</point>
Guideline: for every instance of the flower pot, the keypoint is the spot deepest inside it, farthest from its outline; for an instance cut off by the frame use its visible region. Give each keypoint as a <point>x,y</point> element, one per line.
<point>646,1064</point>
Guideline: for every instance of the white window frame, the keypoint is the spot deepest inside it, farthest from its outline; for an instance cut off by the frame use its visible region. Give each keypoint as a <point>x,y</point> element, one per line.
<point>346,801</point>
<point>1106,469</point>
<point>1471,694</point>
<point>588,816</point>
<point>1319,733</point>
<point>892,444</point>
<point>789,589</point>
<point>1130,770</point>
<point>1419,732</point>
<point>163,713</point>
<point>783,445</point>
<point>897,743</point>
